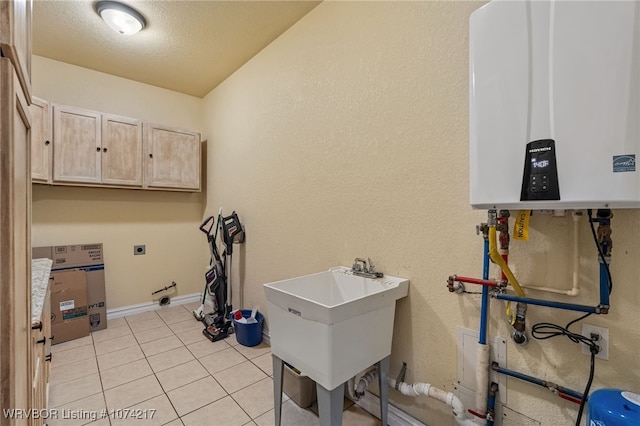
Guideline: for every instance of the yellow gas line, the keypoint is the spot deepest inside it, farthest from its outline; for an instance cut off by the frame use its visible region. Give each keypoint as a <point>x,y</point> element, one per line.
<point>498,260</point>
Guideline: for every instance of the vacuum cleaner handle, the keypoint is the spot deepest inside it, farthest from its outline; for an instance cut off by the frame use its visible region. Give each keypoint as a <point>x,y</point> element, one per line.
<point>233,231</point>
<point>204,228</point>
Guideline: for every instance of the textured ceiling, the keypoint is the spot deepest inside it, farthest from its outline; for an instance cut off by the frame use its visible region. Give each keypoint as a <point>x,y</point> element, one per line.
<point>187,46</point>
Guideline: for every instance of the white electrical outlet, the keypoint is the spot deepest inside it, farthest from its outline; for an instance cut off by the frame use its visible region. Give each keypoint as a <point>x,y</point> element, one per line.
<point>603,340</point>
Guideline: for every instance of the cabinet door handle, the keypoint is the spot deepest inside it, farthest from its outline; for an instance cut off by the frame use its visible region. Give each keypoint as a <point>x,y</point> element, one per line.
<point>150,155</point>
<point>37,327</point>
<point>42,341</point>
<point>98,149</point>
<point>47,142</point>
<point>104,149</point>
<point>48,357</point>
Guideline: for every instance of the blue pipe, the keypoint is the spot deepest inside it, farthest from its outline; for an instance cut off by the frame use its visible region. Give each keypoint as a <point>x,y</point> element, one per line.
<point>535,381</point>
<point>484,310</point>
<point>484,314</point>
<point>548,303</point>
<point>485,257</point>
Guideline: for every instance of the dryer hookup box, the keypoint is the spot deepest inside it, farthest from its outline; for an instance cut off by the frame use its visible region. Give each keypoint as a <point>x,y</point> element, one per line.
<point>88,258</point>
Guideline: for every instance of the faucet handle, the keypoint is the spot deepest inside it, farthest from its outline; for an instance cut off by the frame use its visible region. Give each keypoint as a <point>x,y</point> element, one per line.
<point>355,266</point>
<point>371,267</point>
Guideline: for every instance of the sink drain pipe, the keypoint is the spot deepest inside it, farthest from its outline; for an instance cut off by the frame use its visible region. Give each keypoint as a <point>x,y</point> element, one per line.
<point>416,389</point>
<point>357,391</point>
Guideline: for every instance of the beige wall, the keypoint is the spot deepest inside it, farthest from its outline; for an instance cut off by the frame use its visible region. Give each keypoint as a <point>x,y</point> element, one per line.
<point>166,222</point>
<point>348,136</point>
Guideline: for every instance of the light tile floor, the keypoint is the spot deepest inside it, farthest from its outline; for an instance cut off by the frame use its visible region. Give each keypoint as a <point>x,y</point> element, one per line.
<point>159,361</point>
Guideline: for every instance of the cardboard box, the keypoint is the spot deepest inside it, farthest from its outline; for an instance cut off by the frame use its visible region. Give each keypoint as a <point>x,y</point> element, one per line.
<point>41,253</point>
<point>88,258</point>
<point>80,255</point>
<point>69,319</point>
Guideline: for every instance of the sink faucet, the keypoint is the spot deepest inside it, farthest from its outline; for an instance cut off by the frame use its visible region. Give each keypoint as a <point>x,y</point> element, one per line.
<point>363,270</point>
<point>356,265</point>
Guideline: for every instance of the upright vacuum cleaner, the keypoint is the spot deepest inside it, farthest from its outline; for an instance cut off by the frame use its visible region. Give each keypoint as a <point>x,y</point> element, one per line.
<point>216,303</point>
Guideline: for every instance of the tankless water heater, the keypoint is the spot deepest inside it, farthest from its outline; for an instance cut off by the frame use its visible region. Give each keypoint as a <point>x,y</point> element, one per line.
<point>555,105</point>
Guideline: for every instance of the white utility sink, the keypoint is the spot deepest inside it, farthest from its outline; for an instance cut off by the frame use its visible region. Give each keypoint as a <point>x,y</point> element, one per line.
<point>332,325</point>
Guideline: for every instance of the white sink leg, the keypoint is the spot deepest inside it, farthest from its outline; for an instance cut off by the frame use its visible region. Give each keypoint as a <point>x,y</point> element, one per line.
<point>383,385</point>
<point>277,388</point>
<point>330,405</point>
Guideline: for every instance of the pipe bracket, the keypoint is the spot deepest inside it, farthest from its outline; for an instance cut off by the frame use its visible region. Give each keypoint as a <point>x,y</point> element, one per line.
<point>401,375</point>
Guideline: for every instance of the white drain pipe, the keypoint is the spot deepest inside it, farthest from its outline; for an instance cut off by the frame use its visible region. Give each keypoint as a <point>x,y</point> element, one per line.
<point>448,398</point>
<point>417,389</point>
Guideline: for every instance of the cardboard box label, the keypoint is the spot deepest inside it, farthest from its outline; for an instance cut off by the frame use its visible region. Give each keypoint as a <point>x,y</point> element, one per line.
<point>74,313</point>
<point>66,305</point>
<point>94,320</point>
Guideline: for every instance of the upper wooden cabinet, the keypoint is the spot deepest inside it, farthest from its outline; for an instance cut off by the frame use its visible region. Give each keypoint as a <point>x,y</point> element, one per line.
<point>95,148</point>
<point>15,39</point>
<point>121,150</point>
<point>41,152</point>
<point>172,157</point>
<point>91,148</point>
<point>77,145</point>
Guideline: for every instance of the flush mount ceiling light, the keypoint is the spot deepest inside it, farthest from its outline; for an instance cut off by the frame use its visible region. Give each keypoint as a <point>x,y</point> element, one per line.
<point>120,17</point>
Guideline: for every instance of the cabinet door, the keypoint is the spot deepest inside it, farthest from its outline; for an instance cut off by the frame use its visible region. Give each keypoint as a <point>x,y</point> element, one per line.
<point>46,330</point>
<point>41,153</point>
<point>15,242</point>
<point>172,158</point>
<point>41,350</point>
<point>76,145</point>
<point>121,150</point>
<point>15,39</point>
<point>38,386</point>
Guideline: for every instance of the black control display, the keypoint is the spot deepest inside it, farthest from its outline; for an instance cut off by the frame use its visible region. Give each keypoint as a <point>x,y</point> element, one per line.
<point>540,177</point>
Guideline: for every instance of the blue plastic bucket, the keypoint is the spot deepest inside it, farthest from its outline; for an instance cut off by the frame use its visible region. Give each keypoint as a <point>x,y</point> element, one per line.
<point>249,334</point>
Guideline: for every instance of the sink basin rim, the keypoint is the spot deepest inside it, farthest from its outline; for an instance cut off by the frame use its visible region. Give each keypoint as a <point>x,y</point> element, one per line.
<point>378,292</point>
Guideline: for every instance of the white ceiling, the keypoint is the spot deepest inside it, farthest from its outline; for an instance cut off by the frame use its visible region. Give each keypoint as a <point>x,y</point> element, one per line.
<point>187,46</point>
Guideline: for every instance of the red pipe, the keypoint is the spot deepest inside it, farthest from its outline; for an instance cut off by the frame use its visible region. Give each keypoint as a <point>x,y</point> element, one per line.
<point>506,262</point>
<point>569,398</point>
<point>477,414</point>
<point>488,283</point>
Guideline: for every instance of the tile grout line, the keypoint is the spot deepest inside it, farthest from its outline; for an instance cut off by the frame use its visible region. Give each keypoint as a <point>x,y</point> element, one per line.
<point>209,374</point>
<point>186,384</point>
<point>153,372</point>
<point>156,376</point>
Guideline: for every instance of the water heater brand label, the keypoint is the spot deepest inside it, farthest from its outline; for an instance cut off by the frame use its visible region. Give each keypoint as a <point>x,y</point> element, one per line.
<point>624,163</point>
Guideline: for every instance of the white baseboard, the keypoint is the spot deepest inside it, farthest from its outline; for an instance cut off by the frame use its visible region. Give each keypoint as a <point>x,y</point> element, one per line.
<point>396,417</point>
<point>150,306</point>
<point>265,337</point>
